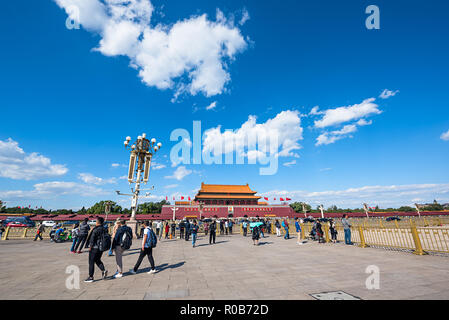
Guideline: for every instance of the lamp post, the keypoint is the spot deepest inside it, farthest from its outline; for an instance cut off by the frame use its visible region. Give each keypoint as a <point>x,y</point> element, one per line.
<point>142,152</point>
<point>107,208</point>
<point>365,207</point>
<point>322,211</point>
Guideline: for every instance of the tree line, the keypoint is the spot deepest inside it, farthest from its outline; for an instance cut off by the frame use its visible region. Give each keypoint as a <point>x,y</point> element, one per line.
<point>96,209</point>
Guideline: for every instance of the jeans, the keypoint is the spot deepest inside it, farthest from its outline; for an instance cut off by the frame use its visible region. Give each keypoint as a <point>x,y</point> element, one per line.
<point>72,249</point>
<point>38,235</point>
<point>287,236</point>
<point>245,230</point>
<point>95,258</point>
<point>193,238</point>
<point>82,241</point>
<point>146,252</point>
<point>347,236</point>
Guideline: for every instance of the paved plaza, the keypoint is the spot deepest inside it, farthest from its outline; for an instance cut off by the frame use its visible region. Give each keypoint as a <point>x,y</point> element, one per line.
<point>231,269</point>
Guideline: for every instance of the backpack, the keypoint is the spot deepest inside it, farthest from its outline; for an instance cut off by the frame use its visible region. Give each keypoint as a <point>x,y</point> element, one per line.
<point>151,239</point>
<point>104,241</point>
<point>126,239</point>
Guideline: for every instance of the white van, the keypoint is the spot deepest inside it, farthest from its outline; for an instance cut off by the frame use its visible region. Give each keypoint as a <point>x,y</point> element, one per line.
<point>48,223</point>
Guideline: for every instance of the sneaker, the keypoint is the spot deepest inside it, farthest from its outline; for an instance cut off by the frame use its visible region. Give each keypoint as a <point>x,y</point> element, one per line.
<point>79,251</point>
<point>90,279</point>
<point>132,271</point>
<point>104,274</point>
<point>118,275</point>
<point>152,271</point>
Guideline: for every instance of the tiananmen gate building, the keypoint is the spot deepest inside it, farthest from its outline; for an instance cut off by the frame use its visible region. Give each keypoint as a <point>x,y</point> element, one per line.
<point>223,201</point>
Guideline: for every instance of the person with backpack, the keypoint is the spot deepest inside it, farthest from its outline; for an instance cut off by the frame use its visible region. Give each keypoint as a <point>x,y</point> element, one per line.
<point>75,235</point>
<point>149,242</point>
<point>194,231</point>
<point>122,242</point>
<point>285,226</point>
<point>256,235</point>
<point>212,232</point>
<point>84,231</point>
<point>98,241</point>
<point>114,230</point>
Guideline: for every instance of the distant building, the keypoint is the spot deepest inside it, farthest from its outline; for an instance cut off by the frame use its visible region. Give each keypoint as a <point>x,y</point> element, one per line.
<point>226,200</point>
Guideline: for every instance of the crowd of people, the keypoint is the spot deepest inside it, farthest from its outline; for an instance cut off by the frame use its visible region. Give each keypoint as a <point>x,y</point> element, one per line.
<point>97,239</point>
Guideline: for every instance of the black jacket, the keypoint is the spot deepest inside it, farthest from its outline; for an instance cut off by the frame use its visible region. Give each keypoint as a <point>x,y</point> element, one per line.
<point>84,229</point>
<point>213,227</point>
<point>94,237</point>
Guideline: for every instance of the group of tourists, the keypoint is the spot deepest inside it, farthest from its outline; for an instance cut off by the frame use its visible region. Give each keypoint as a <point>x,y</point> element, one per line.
<point>98,240</point>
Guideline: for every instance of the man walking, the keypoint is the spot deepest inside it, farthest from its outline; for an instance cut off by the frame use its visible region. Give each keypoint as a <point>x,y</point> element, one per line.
<point>347,229</point>
<point>149,242</point>
<point>95,251</point>
<point>187,229</point>
<point>230,224</point>
<point>122,241</point>
<point>245,228</point>
<point>298,231</point>
<point>285,225</point>
<point>84,231</point>
<point>39,232</point>
<point>212,231</point>
<point>194,231</point>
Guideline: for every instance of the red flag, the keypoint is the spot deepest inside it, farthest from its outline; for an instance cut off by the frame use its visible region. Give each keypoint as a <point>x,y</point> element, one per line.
<point>173,198</point>
<point>288,199</point>
<point>282,199</point>
<point>274,199</point>
<point>182,198</point>
<point>265,198</point>
<point>166,198</point>
<point>189,198</point>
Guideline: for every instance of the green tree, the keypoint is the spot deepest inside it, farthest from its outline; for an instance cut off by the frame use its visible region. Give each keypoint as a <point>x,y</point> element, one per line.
<point>99,208</point>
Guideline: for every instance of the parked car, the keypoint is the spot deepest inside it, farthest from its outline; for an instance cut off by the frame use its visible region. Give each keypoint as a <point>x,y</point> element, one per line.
<point>48,223</point>
<point>27,222</point>
<point>92,222</point>
<point>16,224</point>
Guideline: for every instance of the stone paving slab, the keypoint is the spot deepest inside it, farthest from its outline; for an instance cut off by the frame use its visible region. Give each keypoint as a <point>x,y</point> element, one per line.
<point>231,269</point>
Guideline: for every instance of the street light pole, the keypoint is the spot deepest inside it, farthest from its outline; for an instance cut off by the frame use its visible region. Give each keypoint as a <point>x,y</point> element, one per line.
<point>142,152</point>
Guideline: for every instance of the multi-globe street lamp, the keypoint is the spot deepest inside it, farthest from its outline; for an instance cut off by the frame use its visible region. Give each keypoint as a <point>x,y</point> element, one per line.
<point>142,151</point>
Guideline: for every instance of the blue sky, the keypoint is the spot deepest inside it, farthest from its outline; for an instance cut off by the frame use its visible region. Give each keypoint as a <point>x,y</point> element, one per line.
<point>69,97</point>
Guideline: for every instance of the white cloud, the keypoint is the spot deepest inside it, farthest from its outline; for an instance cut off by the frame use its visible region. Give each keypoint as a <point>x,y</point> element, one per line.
<point>180,173</point>
<point>18,165</point>
<point>52,189</point>
<point>115,165</point>
<point>245,17</point>
<point>157,166</point>
<point>286,126</point>
<point>392,195</point>
<point>331,137</point>
<point>91,179</point>
<point>171,186</point>
<point>289,164</point>
<point>348,113</point>
<point>315,111</point>
<point>190,55</point>
<point>388,93</point>
<point>325,169</point>
<point>212,106</point>
<point>445,136</point>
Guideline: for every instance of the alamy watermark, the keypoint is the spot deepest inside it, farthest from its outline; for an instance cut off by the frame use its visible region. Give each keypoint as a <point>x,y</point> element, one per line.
<point>73,280</point>
<point>257,147</point>
<point>373,280</point>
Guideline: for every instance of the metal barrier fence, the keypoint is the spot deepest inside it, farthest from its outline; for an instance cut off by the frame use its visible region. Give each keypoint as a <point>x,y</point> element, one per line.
<point>420,235</point>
